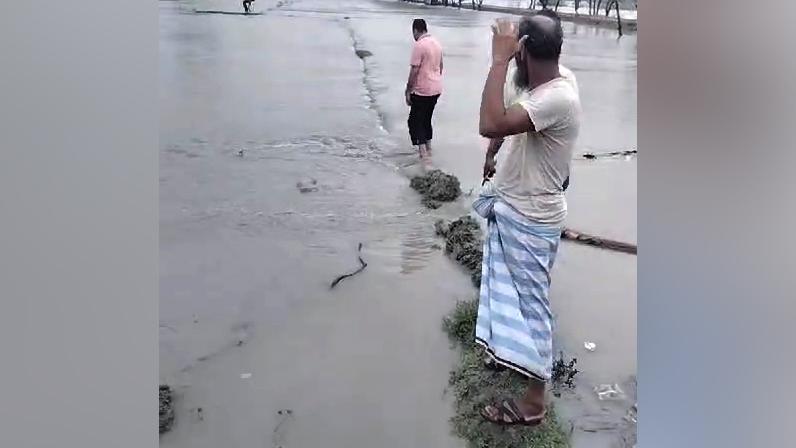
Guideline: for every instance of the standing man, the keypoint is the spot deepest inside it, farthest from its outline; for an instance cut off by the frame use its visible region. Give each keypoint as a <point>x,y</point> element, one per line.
<point>423,87</point>
<point>538,113</point>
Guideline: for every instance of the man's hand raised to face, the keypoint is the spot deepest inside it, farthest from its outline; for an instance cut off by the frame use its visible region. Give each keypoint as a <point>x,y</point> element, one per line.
<point>505,43</point>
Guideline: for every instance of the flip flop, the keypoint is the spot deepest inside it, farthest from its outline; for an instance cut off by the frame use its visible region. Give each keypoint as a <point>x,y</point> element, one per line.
<point>508,408</point>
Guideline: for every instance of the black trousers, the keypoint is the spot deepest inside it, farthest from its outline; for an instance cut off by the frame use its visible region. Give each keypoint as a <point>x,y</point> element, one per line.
<point>420,113</point>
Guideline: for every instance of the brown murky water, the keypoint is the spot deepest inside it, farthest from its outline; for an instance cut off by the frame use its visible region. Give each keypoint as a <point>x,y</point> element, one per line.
<point>252,106</point>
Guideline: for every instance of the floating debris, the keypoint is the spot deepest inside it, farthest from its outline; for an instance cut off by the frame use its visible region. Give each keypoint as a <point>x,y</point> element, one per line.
<point>245,376</point>
<point>166,408</point>
<point>307,186</point>
<point>590,346</point>
<point>240,153</point>
<point>436,187</point>
<point>563,373</point>
<point>606,155</point>
<point>362,267</point>
<point>362,54</point>
<point>609,392</point>
<point>591,240</point>
<point>199,414</point>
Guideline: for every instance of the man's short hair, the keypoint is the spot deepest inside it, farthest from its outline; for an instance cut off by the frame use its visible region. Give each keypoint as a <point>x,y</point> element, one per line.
<point>419,25</point>
<point>543,42</point>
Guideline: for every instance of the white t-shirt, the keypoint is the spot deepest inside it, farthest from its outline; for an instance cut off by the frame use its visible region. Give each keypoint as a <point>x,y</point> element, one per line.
<point>531,167</point>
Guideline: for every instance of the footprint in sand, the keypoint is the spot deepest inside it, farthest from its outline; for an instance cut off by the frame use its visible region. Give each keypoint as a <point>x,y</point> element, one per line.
<point>284,417</point>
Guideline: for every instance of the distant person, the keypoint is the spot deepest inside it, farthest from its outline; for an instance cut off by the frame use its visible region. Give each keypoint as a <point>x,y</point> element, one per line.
<point>423,87</point>
<point>538,113</point>
<point>247,5</point>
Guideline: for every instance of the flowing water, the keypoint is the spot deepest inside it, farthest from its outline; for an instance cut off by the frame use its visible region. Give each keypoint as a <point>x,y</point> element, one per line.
<point>252,107</point>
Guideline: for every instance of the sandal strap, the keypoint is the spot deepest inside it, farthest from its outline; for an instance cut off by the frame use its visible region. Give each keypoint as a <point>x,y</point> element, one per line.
<point>509,408</point>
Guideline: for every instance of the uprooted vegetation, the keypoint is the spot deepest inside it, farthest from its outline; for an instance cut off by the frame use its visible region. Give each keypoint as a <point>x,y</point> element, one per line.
<point>436,187</point>
<point>464,244</point>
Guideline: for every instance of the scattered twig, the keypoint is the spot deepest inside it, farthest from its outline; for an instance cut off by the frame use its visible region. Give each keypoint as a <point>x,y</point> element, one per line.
<point>569,234</point>
<point>362,267</point>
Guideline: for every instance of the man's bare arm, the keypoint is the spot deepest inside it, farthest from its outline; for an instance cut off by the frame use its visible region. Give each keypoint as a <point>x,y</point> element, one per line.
<point>494,147</point>
<point>491,152</point>
<point>496,121</point>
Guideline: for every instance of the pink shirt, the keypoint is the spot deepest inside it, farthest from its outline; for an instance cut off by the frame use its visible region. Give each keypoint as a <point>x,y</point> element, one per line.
<point>427,54</point>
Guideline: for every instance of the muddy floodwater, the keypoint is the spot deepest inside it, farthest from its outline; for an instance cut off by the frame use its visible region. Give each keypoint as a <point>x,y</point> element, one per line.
<point>283,146</point>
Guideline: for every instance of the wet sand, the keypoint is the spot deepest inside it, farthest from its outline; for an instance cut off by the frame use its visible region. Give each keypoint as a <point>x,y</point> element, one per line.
<point>246,258</point>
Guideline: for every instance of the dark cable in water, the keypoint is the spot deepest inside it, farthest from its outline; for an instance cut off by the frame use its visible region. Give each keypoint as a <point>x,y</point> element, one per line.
<point>361,268</point>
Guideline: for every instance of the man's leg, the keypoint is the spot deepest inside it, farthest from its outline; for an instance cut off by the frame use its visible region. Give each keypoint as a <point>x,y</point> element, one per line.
<point>424,106</point>
<point>422,115</point>
<point>533,402</point>
<point>413,122</point>
<point>417,115</point>
<point>427,126</point>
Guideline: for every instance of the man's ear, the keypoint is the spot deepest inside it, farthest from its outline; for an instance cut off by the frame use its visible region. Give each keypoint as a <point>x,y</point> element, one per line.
<point>520,55</point>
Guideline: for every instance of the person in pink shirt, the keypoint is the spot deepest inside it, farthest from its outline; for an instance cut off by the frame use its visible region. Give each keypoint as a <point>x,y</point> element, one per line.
<point>424,86</point>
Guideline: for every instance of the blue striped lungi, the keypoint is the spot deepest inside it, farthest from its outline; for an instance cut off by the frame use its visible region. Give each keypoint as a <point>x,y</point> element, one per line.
<point>515,322</point>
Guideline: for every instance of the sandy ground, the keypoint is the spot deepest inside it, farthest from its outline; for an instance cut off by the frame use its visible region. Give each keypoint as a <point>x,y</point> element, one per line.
<point>246,258</point>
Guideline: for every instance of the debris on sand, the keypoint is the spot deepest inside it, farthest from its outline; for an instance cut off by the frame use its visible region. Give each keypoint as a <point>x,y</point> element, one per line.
<point>307,186</point>
<point>362,54</point>
<point>436,187</point>
<point>362,266</point>
<point>464,244</point>
<point>166,408</point>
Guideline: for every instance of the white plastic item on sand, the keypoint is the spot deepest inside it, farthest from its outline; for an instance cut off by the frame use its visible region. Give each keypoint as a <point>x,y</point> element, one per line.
<point>590,346</point>
<point>609,392</point>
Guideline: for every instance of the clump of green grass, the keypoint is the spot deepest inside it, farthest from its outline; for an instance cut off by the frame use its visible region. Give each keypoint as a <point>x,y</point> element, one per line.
<point>460,323</point>
<point>474,387</point>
